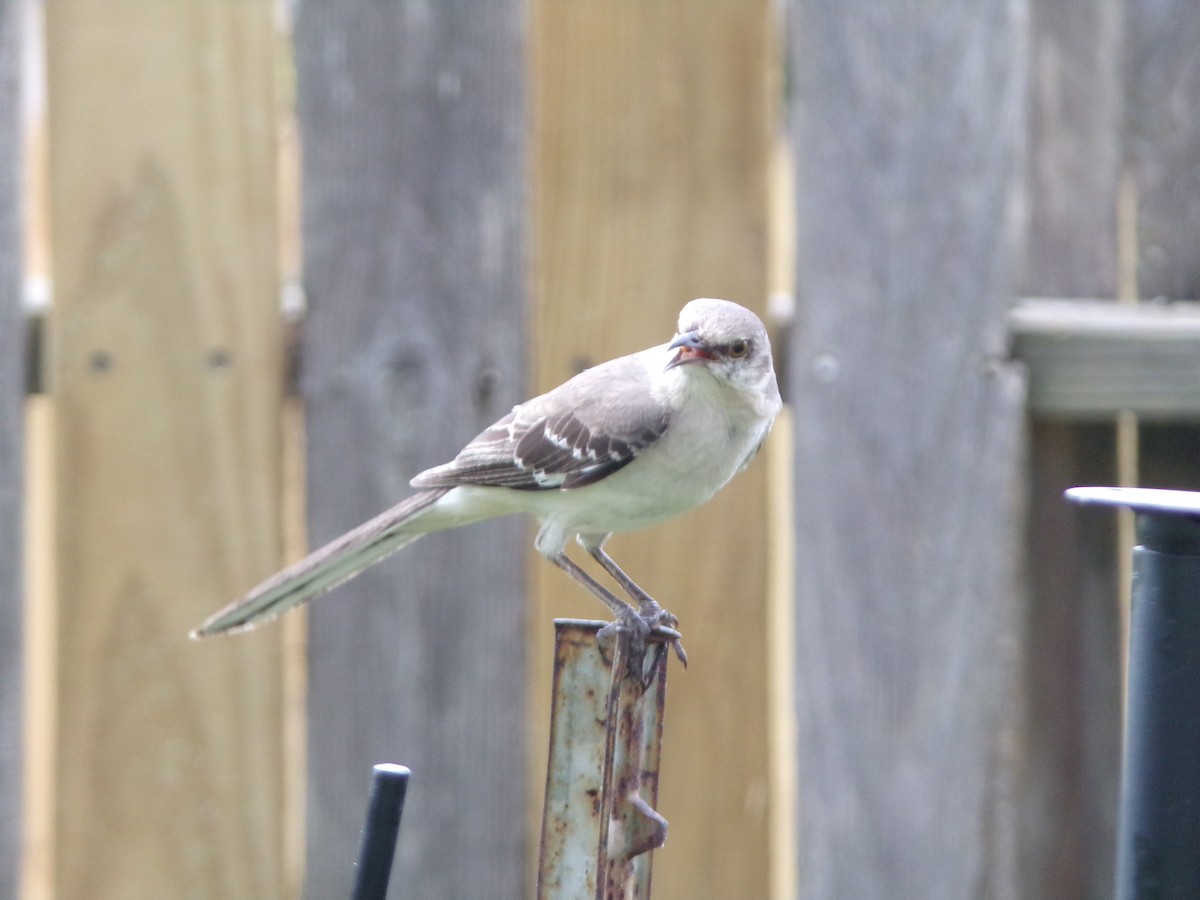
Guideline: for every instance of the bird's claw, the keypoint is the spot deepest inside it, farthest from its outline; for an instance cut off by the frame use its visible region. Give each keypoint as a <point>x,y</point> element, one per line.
<point>630,622</point>
<point>650,625</point>
<point>664,623</point>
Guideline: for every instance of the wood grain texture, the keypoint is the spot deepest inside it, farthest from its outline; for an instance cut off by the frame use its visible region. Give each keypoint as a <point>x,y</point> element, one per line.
<point>12,412</point>
<point>1074,155</point>
<point>1162,147</point>
<point>1163,157</point>
<point>652,125</point>
<point>412,124</point>
<point>909,438</point>
<point>166,379</point>
<point>1072,629</point>
<point>1071,670</point>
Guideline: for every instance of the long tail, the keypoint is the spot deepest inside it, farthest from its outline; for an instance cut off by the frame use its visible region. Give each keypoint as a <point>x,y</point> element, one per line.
<point>326,568</point>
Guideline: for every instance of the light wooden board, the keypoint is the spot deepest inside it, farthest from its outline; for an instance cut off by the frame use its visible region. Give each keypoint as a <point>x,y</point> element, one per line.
<point>908,436</point>
<point>651,131</point>
<point>166,380</point>
<point>412,128</point>
<point>12,411</point>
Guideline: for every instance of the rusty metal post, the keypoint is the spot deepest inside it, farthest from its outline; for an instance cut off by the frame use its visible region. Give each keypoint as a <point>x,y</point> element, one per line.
<point>1158,840</point>
<point>599,822</point>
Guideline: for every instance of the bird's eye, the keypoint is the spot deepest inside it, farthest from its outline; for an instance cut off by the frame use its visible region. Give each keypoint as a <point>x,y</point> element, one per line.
<point>739,348</point>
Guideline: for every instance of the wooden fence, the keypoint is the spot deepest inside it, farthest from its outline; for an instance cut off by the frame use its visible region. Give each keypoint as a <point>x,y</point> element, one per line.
<point>906,649</point>
<point>12,391</point>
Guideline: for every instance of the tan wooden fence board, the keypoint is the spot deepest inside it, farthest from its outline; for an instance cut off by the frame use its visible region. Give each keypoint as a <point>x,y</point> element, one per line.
<point>651,140</point>
<point>166,379</point>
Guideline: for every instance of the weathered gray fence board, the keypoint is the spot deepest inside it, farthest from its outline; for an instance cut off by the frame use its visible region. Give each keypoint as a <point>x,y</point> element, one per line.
<point>1072,632</point>
<point>909,436</point>
<point>1163,155</point>
<point>412,125</point>
<point>12,410</point>
<point>1074,152</point>
<point>1163,143</point>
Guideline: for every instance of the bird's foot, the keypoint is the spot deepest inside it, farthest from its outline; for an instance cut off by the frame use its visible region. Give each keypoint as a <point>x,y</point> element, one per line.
<point>664,624</point>
<point>650,625</point>
<point>629,620</point>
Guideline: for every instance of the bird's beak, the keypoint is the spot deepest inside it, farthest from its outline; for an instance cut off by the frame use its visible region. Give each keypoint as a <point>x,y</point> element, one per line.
<point>691,350</point>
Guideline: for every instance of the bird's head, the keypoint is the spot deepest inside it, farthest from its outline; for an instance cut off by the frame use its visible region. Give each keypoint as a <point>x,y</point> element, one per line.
<point>728,340</point>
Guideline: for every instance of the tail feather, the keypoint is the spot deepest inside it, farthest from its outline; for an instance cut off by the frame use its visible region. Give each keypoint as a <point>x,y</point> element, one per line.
<point>324,569</point>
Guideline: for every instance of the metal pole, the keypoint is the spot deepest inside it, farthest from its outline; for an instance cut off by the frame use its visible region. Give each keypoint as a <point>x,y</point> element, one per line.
<point>378,845</point>
<point>1158,843</point>
<point>599,821</point>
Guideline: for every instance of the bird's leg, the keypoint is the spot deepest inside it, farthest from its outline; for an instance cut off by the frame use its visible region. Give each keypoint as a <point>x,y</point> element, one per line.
<point>654,615</point>
<point>648,605</point>
<point>626,615</point>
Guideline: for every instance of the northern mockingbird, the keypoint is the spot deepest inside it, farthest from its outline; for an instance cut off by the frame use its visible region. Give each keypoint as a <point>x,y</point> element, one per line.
<point>620,446</point>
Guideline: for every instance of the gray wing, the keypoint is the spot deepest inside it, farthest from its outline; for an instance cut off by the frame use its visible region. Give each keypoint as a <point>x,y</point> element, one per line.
<point>575,435</point>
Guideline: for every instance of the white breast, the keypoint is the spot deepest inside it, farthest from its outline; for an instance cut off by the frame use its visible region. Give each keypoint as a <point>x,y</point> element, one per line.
<point>706,443</point>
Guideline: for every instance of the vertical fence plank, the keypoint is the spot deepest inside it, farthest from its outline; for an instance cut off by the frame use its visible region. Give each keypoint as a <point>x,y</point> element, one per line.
<point>12,411</point>
<point>166,382</point>
<point>1163,144</point>
<point>908,436</point>
<point>412,125</point>
<point>1072,631</point>
<point>651,142</point>
<point>1071,671</point>
<point>1163,156</point>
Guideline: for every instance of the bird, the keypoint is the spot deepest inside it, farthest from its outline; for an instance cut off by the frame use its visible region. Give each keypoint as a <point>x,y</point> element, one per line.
<point>620,446</point>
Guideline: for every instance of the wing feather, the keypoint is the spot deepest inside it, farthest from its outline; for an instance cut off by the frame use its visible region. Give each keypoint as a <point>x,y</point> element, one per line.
<point>579,433</point>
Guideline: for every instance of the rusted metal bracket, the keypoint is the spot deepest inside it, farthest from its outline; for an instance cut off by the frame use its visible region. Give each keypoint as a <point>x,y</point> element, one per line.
<point>599,821</point>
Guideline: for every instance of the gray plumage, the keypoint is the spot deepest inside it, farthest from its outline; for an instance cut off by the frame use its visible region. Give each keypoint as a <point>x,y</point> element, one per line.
<point>620,446</point>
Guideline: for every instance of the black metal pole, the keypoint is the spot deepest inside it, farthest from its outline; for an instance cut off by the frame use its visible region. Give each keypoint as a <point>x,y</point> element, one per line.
<point>1159,837</point>
<point>1158,842</point>
<point>378,845</point>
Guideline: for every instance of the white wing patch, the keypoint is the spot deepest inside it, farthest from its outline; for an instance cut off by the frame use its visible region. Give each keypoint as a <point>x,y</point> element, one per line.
<point>543,453</point>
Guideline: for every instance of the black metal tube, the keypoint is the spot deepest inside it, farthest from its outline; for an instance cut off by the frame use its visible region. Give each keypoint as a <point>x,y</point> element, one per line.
<point>1158,848</point>
<point>378,844</point>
